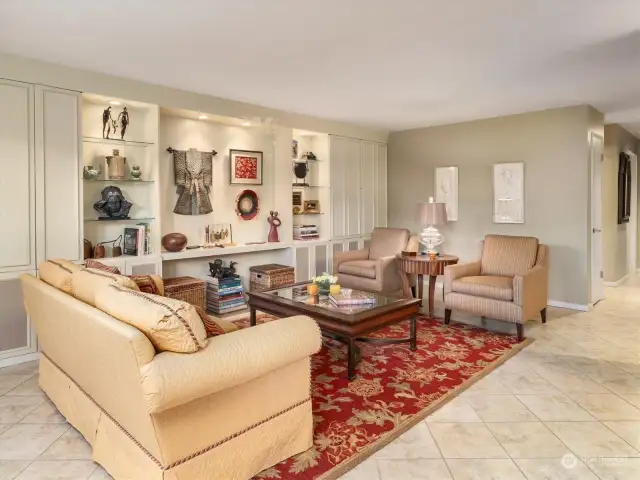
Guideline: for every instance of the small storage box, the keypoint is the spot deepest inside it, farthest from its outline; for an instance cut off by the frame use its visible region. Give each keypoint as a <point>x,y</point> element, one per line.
<point>270,276</point>
<point>187,289</point>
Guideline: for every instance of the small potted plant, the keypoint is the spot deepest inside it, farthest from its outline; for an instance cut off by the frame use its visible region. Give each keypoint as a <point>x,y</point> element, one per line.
<point>324,281</point>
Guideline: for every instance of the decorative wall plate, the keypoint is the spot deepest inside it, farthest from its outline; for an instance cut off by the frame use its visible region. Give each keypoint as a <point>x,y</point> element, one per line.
<point>247,204</point>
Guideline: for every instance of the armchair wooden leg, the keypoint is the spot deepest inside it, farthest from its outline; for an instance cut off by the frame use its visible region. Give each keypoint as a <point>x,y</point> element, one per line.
<point>447,316</point>
<point>543,314</point>
<point>520,328</point>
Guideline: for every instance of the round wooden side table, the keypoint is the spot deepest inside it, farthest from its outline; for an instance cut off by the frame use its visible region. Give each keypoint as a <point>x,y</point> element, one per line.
<point>422,265</point>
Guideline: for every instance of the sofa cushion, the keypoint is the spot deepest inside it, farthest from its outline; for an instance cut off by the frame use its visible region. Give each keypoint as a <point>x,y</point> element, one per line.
<point>386,242</point>
<point>149,284</point>
<point>58,272</point>
<point>170,325</point>
<point>507,256</point>
<point>500,288</point>
<point>86,282</point>
<point>359,268</point>
<point>93,263</point>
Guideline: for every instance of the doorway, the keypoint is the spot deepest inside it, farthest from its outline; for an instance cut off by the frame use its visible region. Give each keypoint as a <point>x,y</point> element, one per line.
<point>632,226</point>
<point>596,159</point>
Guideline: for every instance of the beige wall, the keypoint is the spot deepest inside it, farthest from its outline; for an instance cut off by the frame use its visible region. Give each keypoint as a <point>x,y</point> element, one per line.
<point>616,140</point>
<point>553,144</point>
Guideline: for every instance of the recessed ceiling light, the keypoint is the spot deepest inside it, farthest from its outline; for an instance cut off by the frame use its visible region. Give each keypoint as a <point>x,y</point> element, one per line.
<point>115,102</point>
<point>202,117</point>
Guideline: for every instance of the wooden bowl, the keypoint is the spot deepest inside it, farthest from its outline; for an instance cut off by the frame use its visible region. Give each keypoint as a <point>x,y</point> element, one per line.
<point>174,242</point>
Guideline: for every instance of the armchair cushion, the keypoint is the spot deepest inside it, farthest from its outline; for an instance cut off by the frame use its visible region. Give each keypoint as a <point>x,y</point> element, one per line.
<point>386,242</point>
<point>348,256</point>
<point>507,256</point>
<point>359,268</point>
<point>500,288</point>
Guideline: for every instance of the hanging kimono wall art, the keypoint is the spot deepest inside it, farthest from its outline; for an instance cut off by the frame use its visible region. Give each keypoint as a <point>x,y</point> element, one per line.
<point>193,175</point>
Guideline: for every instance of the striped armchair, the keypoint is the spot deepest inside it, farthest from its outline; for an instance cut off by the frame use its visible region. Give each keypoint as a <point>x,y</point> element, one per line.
<point>508,283</point>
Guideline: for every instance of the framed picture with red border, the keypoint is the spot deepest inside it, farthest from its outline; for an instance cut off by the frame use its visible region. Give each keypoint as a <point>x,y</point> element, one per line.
<point>245,167</point>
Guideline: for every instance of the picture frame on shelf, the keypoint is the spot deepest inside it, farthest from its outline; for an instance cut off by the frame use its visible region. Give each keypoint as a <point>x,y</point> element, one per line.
<point>245,167</point>
<point>311,206</point>
<point>446,190</point>
<point>508,192</point>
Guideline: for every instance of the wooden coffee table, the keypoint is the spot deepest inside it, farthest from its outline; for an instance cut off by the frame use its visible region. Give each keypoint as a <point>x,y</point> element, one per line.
<point>346,324</point>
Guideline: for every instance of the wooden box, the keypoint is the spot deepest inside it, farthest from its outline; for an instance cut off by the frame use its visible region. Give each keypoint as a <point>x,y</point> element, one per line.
<point>187,289</point>
<point>270,276</point>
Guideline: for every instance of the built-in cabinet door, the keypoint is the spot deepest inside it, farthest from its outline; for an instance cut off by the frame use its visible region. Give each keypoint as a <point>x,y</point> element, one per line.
<point>17,179</point>
<point>16,335</point>
<point>321,259</point>
<point>143,266</point>
<point>380,186</point>
<point>353,155</point>
<point>368,188</point>
<point>338,183</point>
<point>302,264</point>
<point>58,173</point>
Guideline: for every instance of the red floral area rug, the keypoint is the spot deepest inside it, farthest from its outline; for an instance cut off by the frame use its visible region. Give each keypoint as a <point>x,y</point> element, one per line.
<point>394,390</point>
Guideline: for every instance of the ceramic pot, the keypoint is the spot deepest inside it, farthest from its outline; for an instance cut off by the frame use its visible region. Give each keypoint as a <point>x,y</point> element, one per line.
<point>174,242</point>
<point>135,172</point>
<point>116,165</point>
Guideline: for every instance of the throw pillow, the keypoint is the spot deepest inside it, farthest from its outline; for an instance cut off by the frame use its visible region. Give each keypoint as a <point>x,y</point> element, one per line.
<point>210,325</point>
<point>149,284</point>
<point>91,263</point>
<point>169,324</point>
<point>57,273</point>
<point>86,282</point>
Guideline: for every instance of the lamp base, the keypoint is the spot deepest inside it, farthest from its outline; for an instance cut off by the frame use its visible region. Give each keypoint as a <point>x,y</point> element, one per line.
<point>431,238</point>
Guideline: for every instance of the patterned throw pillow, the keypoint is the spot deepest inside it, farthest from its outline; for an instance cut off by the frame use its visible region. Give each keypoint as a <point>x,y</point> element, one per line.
<point>212,328</point>
<point>91,263</point>
<point>146,284</point>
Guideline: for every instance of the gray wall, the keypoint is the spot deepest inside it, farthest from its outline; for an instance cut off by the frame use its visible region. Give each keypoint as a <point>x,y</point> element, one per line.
<point>616,140</point>
<point>553,144</point>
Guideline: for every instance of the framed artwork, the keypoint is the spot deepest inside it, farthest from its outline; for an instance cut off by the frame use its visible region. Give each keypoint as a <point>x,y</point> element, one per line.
<point>446,190</point>
<point>508,192</point>
<point>246,167</point>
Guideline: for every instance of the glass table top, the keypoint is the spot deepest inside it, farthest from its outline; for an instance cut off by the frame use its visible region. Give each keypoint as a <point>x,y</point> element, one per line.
<point>298,293</point>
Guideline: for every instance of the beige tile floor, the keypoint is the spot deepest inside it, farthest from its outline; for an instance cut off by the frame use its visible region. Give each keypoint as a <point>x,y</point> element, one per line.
<point>567,407</point>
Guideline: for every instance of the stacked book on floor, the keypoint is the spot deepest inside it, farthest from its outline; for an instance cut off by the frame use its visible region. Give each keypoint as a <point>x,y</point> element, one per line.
<point>224,295</point>
<point>305,232</point>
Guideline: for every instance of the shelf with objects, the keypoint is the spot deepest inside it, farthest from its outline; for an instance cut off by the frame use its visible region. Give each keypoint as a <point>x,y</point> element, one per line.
<point>120,196</point>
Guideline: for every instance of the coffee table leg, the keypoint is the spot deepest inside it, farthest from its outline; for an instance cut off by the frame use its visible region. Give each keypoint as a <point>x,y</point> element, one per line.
<point>420,287</point>
<point>252,317</point>
<point>353,358</point>
<point>413,333</point>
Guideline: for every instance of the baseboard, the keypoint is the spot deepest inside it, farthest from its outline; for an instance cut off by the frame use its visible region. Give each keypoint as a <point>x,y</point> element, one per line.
<point>571,306</point>
<point>29,357</point>
<point>618,283</point>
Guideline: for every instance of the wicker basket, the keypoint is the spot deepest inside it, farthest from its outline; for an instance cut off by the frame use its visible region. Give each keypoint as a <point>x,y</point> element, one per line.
<point>187,289</point>
<point>270,276</point>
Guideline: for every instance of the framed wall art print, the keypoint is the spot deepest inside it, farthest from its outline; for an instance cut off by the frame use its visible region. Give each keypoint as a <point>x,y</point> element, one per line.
<point>245,167</point>
<point>508,193</point>
<point>446,190</point>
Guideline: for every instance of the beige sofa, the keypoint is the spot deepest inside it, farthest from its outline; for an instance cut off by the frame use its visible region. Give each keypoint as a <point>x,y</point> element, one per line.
<point>228,411</point>
<point>508,283</point>
<point>374,269</point>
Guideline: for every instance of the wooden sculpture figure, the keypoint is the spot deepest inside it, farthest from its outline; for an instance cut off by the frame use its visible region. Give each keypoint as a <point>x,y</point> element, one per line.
<point>275,222</point>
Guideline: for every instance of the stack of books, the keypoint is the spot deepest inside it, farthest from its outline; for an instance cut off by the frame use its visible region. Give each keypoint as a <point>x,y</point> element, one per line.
<point>305,232</point>
<point>224,295</point>
<point>354,298</point>
<point>137,240</point>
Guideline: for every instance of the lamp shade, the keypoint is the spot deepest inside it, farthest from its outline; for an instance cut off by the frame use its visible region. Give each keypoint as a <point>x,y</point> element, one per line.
<point>431,213</point>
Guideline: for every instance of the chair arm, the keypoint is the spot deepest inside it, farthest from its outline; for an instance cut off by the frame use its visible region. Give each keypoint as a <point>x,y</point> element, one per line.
<point>173,379</point>
<point>387,274</point>
<point>349,256</point>
<point>530,288</point>
<point>453,272</point>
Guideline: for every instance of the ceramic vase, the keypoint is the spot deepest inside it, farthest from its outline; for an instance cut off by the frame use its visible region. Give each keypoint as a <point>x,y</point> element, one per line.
<point>116,165</point>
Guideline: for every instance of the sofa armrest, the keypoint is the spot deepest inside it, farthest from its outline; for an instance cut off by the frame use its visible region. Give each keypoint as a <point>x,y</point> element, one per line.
<point>387,274</point>
<point>349,256</point>
<point>530,289</point>
<point>453,272</point>
<point>173,379</point>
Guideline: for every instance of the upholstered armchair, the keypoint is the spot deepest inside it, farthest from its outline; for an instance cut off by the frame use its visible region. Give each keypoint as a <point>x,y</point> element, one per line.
<point>508,283</point>
<point>374,269</point>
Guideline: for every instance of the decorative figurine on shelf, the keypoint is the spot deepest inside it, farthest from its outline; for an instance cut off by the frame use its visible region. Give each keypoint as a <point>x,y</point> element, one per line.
<point>218,270</point>
<point>90,173</point>
<point>123,120</point>
<point>116,165</point>
<point>300,170</point>
<point>113,204</point>
<point>275,222</point>
<point>108,122</point>
<point>135,172</point>
<point>309,156</point>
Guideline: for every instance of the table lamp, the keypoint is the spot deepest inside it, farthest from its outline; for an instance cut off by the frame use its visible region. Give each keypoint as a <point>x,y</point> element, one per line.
<point>429,215</point>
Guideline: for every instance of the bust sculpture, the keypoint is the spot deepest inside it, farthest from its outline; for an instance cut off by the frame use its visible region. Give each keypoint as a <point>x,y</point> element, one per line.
<point>112,204</point>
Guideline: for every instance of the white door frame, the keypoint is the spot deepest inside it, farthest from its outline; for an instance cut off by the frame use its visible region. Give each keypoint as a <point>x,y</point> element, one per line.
<point>597,290</point>
<point>632,226</point>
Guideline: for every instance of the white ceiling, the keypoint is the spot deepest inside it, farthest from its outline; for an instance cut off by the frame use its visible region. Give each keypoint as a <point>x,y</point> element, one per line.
<point>394,64</point>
